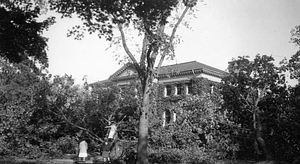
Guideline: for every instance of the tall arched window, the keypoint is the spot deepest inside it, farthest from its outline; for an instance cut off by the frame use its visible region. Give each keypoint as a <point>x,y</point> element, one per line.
<point>179,89</point>
<point>168,90</point>
<point>168,116</point>
<point>189,88</point>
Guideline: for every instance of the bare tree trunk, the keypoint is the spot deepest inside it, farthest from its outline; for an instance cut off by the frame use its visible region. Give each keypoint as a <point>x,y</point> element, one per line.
<point>258,135</point>
<point>149,55</point>
<point>142,156</point>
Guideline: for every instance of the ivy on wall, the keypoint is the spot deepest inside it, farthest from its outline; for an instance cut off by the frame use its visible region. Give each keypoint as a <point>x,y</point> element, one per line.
<point>199,85</point>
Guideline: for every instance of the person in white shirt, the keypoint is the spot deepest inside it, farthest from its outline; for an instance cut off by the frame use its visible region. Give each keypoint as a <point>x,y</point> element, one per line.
<point>112,132</point>
<point>83,146</point>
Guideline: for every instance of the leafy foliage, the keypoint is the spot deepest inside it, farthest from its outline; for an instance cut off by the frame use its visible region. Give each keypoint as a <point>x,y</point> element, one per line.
<point>19,85</point>
<point>256,95</point>
<point>282,122</point>
<point>295,38</point>
<point>43,116</point>
<point>21,34</point>
<point>293,66</point>
<point>250,83</point>
<point>202,133</point>
<point>99,16</point>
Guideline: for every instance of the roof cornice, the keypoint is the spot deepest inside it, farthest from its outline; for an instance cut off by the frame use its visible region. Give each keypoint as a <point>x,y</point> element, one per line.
<point>200,69</point>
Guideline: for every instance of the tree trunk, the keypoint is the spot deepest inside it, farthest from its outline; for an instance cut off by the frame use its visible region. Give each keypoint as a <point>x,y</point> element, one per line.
<point>142,155</point>
<point>258,135</point>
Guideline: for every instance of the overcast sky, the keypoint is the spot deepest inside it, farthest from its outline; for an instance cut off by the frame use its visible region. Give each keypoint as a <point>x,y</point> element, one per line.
<point>223,29</point>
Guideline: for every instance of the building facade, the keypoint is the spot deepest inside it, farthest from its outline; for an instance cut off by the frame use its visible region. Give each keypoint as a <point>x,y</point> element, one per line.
<point>174,82</point>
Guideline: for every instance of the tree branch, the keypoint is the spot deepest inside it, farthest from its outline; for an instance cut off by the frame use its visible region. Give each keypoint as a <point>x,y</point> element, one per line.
<point>120,27</point>
<point>91,134</point>
<point>247,102</point>
<point>168,45</point>
<point>144,51</point>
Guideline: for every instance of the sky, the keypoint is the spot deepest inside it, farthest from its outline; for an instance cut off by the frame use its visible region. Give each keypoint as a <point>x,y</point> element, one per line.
<point>220,31</point>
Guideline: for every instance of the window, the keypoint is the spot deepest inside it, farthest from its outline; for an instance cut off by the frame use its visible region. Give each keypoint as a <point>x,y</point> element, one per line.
<point>168,90</point>
<point>168,116</point>
<point>164,119</point>
<point>212,88</point>
<point>189,88</point>
<point>136,93</point>
<point>179,88</point>
<point>174,117</point>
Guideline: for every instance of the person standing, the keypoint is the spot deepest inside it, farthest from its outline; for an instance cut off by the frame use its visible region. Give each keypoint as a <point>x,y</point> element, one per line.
<point>106,151</point>
<point>83,146</point>
<point>112,132</point>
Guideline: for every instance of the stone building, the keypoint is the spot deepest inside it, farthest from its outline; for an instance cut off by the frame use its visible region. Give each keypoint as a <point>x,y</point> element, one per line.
<point>174,82</point>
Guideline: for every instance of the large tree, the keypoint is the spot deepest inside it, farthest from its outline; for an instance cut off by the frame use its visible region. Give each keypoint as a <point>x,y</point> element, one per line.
<point>248,84</point>
<point>148,18</point>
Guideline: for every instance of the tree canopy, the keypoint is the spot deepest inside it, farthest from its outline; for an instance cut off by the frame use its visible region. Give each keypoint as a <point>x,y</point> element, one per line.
<point>257,97</point>
<point>21,34</point>
<point>100,16</point>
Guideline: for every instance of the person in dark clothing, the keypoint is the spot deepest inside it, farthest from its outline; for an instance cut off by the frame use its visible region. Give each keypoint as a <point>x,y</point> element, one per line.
<point>106,151</point>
